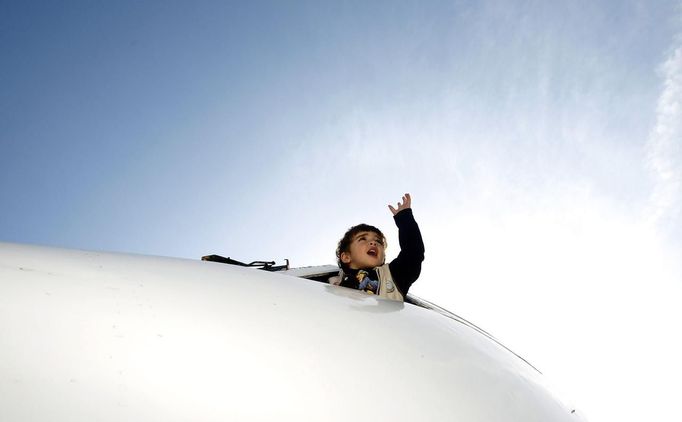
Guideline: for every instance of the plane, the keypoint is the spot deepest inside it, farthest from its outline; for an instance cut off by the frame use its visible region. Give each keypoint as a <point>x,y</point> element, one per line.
<point>95,336</point>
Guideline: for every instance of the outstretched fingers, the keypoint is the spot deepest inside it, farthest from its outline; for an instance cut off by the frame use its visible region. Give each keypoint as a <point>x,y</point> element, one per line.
<point>407,203</point>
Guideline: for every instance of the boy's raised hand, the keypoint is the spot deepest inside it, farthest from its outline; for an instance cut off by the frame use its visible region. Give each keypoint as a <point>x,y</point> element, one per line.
<point>407,202</point>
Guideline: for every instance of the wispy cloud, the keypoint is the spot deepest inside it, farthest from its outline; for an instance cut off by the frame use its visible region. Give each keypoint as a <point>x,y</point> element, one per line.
<point>664,146</point>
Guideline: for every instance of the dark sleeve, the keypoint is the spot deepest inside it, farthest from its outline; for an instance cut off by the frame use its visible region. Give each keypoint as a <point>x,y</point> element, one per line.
<point>406,268</point>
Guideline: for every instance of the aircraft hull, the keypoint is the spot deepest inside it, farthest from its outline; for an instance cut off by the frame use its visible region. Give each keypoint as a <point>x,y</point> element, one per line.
<point>88,336</point>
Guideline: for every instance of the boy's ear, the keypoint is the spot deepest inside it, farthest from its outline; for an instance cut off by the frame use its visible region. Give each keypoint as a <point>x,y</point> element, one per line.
<point>345,257</point>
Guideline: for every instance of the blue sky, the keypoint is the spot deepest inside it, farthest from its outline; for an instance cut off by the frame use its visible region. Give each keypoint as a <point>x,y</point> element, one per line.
<point>542,144</point>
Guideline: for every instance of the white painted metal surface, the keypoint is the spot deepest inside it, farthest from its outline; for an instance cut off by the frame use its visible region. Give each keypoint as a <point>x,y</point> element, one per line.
<point>88,336</point>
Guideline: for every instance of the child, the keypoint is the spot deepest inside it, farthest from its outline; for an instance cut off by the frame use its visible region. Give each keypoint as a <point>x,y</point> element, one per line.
<point>360,255</point>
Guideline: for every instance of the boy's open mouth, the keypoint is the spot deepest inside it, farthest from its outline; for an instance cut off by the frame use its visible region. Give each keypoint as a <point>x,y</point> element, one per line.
<point>372,252</point>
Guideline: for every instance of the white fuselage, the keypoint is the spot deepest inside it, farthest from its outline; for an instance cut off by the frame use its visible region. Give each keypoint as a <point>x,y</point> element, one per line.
<point>87,336</point>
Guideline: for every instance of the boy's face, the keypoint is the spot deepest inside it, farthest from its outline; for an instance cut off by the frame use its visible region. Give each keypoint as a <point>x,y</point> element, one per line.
<point>366,251</point>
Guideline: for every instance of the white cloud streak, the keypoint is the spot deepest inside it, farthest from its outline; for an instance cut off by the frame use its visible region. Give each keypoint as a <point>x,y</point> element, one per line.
<point>664,146</point>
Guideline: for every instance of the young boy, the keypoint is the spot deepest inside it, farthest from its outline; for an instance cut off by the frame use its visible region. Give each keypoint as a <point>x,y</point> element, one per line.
<point>360,255</point>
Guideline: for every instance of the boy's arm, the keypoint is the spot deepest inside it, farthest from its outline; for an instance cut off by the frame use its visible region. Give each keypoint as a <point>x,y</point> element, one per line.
<point>406,268</point>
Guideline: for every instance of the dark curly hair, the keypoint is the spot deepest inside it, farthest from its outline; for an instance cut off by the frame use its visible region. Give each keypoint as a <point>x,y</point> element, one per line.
<point>344,243</point>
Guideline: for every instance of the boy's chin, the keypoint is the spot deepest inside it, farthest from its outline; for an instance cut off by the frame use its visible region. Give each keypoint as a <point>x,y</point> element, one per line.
<point>372,263</point>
